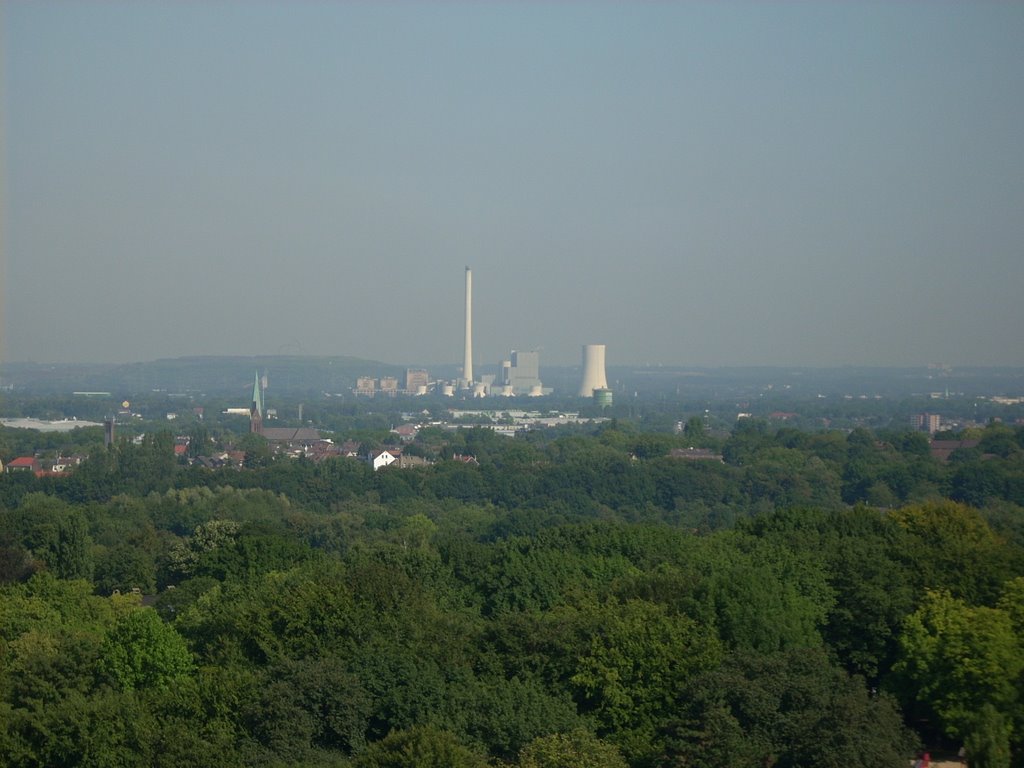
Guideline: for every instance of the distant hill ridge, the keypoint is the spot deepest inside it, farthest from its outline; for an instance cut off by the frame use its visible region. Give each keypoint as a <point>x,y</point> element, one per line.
<point>303,375</point>
<point>209,374</point>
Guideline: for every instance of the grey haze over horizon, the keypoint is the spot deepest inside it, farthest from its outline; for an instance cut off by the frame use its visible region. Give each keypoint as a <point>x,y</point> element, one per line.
<point>706,184</point>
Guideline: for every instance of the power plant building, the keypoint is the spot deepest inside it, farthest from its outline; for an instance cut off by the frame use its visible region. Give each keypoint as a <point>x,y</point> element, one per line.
<point>366,386</point>
<point>521,373</point>
<point>416,381</point>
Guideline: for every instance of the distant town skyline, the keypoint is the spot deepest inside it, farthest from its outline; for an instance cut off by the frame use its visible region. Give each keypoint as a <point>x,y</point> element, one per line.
<point>697,184</point>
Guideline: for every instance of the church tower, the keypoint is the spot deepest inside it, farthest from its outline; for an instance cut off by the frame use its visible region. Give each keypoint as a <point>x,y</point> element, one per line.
<point>256,409</point>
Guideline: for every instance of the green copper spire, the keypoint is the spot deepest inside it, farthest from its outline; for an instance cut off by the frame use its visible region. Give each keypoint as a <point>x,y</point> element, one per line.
<point>256,409</point>
<point>257,397</point>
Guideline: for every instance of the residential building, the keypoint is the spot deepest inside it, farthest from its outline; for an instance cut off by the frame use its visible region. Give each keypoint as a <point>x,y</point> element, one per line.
<point>24,464</point>
<point>382,458</point>
<point>407,432</point>
<point>926,422</point>
<point>695,454</point>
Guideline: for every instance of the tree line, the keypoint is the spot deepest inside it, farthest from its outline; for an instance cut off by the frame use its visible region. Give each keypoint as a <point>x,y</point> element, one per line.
<point>576,598</point>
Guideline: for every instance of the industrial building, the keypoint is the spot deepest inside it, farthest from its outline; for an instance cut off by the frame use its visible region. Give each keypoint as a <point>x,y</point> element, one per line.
<point>417,381</point>
<point>520,374</point>
<point>366,386</point>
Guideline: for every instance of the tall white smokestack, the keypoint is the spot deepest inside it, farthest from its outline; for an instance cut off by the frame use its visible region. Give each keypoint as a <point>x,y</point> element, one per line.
<point>467,362</point>
<point>593,370</point>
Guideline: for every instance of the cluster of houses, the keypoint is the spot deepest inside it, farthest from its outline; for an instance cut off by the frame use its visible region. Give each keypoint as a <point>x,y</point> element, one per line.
<point>293,442</point>
<point>41,467</point>
<point>305,442</point>
<point>325,449</point>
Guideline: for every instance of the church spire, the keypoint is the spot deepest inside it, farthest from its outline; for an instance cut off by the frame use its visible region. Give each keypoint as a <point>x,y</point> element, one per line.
<point>256,409</point>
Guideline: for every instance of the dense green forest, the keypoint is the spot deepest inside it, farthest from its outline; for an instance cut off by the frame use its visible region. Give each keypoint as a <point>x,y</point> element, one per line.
<point>578,597</point>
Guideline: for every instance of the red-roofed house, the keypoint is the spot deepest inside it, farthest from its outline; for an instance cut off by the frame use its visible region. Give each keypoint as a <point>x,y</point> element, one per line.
<point>350,449</point>
<point>406,432</point>
<point>941,449</point>
<point>24,464</point>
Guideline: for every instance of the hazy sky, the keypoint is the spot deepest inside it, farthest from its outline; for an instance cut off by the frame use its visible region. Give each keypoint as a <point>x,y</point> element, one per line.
<point>688,183</point>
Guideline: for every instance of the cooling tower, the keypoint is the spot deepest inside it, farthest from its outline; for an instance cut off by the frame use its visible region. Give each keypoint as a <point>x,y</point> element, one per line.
<point>467,362</point>
<point>593,370</point>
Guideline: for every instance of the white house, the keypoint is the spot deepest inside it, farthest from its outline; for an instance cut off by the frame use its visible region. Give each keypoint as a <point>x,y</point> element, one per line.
<point>383,458</point>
